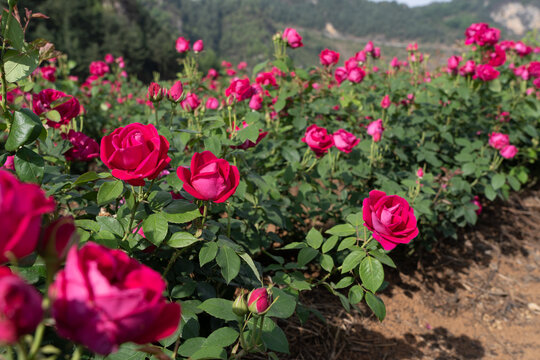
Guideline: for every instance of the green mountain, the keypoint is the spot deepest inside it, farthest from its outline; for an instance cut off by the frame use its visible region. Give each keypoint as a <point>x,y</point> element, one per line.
<point>144,31</point>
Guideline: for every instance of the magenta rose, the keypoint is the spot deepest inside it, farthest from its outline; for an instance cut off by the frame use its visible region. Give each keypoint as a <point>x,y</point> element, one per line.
<point>84,148</point>
<point>240,89</point>
<point>198,46</point>
<point>292,38</point>
<point>356,75</point>
<point>259,301</point>
<point>209,178</point>
<point>468,68</point>
<point>509,151</point>
<point>328,57</point>
<point>486,72</point>
<point>48,73</point>
<point>20,307</point>
<point>390,218</point>
<point>191,102</point>
<point>256,102</point>
<point>98,68</point>
<point>212,103</point>
<point>340,74</point>
<point>176,92</point>
<point>135,152</point>
<point>266,78</point>
<point>318,139</point>
<point>21,208</point>
<point>155,92</point>
<point>453,63</point>
<point>103,298</point>
<point>345,141</point>
<point>57,239</point>
<point>49,99</point>
<point>498,140</point>
<point>375,129</point>
<point>497,57</point>
<point>476,201</point>
<point>386,102</point>
<point>182,45</point>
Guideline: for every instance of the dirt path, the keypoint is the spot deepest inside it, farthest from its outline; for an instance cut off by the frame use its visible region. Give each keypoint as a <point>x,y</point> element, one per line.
<point>475,298</point>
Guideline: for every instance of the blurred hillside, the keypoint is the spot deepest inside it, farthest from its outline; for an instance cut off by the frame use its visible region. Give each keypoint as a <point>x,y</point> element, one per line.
<point>144,31</point>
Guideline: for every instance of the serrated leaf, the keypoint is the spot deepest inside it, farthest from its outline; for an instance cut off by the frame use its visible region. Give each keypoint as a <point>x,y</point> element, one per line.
<point>352,260</point>
<point>314,238</point>
<point>342,230</point>
<point>219,308</point>
<point>376,305</point>
<point>207,253</point>
<point>306,255</point>
<point>371,273</point>
<point>181,239</point>
<point>155,228</point>
<point>109,191</point>
<point>229,262</point>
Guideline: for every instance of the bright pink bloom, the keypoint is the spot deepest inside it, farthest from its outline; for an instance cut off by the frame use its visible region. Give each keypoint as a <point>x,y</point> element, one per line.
<point>191,102</point>
<point>209,178</point>
<point>48,73</point>
<point>241,65</point>
<point>256,102</point>
<point>109,59</point>
<point>486,72</point>
<point>259,300</point>
<point>386,102</point>
<point>345,141</point>
<point>395,63</point>
<point>240,89</point>
<point>375,129</point>
<point>497,57</point>
<point>356,75</point>
<point>498,140</point>
<point>360,56</point>
<point>226,64</point>
<point>522,49</point>
<point>9,164</point>
<point>68,108</point>
<point>328,57</point>
<point>420,173</point>
<point>292,38</point>
<point>212,103</point>
<point>468,68</point>
<point>453,64</point>
<point>266,78</point>
<point>198,46</point>
<point>318,140</point>
<point>340,74</point>
<point>509,151</point>
<point>476,201</point>
<point>84,148</point>
<point>377,53</point>
<point>99,68</point>
<point>369,47</point>
<point>182,44</point>
<point>176,91</point>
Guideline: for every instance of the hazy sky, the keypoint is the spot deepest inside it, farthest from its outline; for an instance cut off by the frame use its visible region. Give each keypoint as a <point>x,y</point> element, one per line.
<point>413,2</point>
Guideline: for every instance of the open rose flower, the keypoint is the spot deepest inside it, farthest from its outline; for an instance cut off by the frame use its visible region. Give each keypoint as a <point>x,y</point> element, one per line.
<point>345,141</point>
<point>318,139</point>
<point>49,99</point>
<point>21,208</point>
<point>84,148</point>
<point>20,307</point>
<point>240,89</point>
<point>328,57</point>
<point>98,68</point>
<point>135,152</point>
<point>103,298</point>
<point>292,38</point>
<point>486,72</point>
<point>498,140</point>
<point>48,73</point>
<point>209,178</point>
<point>375,129</point>
<point>182,44</point>
<point>390,218</point>
<point>509,151</point>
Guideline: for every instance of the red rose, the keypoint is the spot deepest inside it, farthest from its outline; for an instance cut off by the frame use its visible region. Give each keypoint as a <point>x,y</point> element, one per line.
<point>48,73</point>
<point>103,298</point>
<point>486,72</point>
<point>328,57</point>
<point>20,307</point>
<point>21,207</point>
<point>259,300</point>
<point>390,218</point>
<point>209,178</point>
<point>182,44</point>
<point>98,68</point>
<point>135,152</point>
<point>292,38</point>
<point>48,99</point>
<point>241,89</point>
<point>318,139</point>
<point>198,46</point>
<point>84,148</point>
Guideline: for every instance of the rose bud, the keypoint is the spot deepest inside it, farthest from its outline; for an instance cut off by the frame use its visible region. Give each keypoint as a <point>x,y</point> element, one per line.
<point>292,38</point>
<point>476,201</point>
<point>212,103</point>
<point>109,58</point>
<point>239,306</point>
<point>198,46</point>
<point>182,45</point>
<point>385,102</point>
<point>155,93</point>
<point>209,178</point>
<point>259,301</point>
<point>176,92</point>
<point>420,173</point>
<point>375,129</point>
<point>191,102</point>
<point>57,239</point>
<point>390,218</point>
<point>48,73</point>
<point>20,307</point>
<point>345,141</point>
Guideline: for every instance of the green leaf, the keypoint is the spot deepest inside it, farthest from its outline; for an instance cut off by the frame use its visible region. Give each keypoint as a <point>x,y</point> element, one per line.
<point>355,219</point>
<point>250,132</point>
<point>376,305</point>
<point>383,258</point>
<point>371,273</point>
<point>497,181</point>
<point>126,351</point>
<point>181,239</point>
<point>495,86</point>
<point>276,340</point>
<point>88,177</point>
<point>306,255</point>
<point>111,224</point>
<point>19,66</point>
<point>29,166</point>
<point>209,352</point>
<point>327,263</point>
<point>109,191</point>
<point>251,264</point>
<point>14,33</point>
<point>284,306</point>
<point>342,230</point>
<point>490,193</point>
<point>330,243</point>
<point>26,128</point>
<point>223,337</point>
<point>207,253</point>
<point>314,238</point>
<point>219,308</point>
<point>53,115</point>
<point>356,293</point>
<point>181,211</point>
<point>352,260</point>
<point>229,262</point>
<point>345,282</point>
<point>155,228</point>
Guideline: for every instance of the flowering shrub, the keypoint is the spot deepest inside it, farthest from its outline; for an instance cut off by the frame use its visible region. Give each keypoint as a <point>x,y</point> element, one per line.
<point>190,233</point>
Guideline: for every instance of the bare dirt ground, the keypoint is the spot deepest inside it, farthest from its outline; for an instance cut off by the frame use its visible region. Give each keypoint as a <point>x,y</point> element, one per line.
<point>474,298</point>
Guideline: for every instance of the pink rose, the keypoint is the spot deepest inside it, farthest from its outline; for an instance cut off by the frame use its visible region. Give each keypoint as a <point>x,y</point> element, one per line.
<point>98,68</point>
<point>266,78</point>
<point>84,148</point>
<point>198,46</point>
<point>420,173</point>
<point>21,208</point>
<point>9,164</point>
<point>476,201</point>
<point>318,140</point>
<point>109,58</point>
<point>340,74</point>
<point>135,152</point>
<point>241,65</point>
<point>209,178</point>
<point>486,72</point>
<point>212,103</point>
<point>176,91</point>
<point>48,73</point>
<point>521,49</point>
<point>240,89</point>
<point>498,140</point>
<point>226,64</point>
<point>103,298</point>
<point>259,301</point>
<point>155,92</point>
<point>57,239</point>
<point>395,63</point>
<point>356,75</point>
<point>292,38</point>
<point>386,102</point>
<point>48,100</point>
<point>182,45</point>
<point>360,56</point>
<point>345,141</point>
<point>328,57</point>
<point>369,47</point>
<point>497,57</point>
<point>453,64</point>
<point>256,102</point>
<point>534,69</point>
<point>509,151</point>
<point>390,218</point>
<point>376,53</point>
<point>468,68</point>
<point>375,129</point>
<point>20,307</point>
<point>191,102</point>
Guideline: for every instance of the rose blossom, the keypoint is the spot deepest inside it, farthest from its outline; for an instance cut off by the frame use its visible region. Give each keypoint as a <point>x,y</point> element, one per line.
<point>375,129</point>
<point>209,178</point>
<point>468,68</point>
<point>259,301</point>
<point>48,73</point>
<point>57,239</point>
<point>135,152</point>
<point>340,74</point>
<point>420,173</point>
<point>256,102</point>
<point>266,78</point>
<point>212,103</point>
<point>198,46</point>
<point>155,92</point>
<point>98,68</point>
<point>498,140</point>
<point>509,151</point>
<point>240,89</point>
<point>21,208</point>
<point>497,57</point>
<point>176,91</point>
<point>109,58</point>
<point>386,102</point>
<point>191,102</point>
<point>292,38</point>
<point>390,218</point>
<point>20,307</point>
<point>68,108</point>
<point>476,201</point>
<point>84,148</point>
<point>318,140</point>
<point>328,57</point>
<point>103,298</point>
<point>182,45</point>
<point>356,75</point>
<point>241,65</point>
<point>345,141</point>
<point>453,64</point>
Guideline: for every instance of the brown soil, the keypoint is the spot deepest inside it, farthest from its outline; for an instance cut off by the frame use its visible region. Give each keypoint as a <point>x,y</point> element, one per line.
<point>473,298</point>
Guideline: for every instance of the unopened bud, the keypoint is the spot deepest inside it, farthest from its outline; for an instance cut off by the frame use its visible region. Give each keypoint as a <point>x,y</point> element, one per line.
<point>239,306</point>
